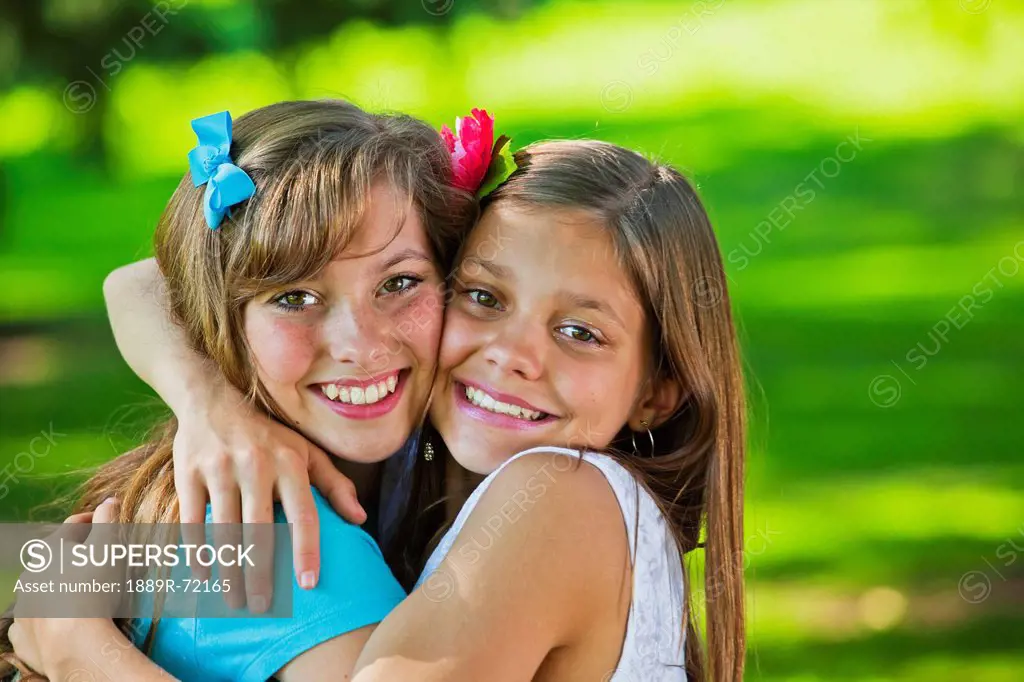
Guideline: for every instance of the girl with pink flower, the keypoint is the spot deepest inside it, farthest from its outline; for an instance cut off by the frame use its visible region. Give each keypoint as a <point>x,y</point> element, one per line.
<point>588,370</point>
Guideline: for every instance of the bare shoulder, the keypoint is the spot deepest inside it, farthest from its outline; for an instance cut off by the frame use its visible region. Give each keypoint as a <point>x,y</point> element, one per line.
<point>551,515</point>
<point>552,481</point>
<point>538,564</point>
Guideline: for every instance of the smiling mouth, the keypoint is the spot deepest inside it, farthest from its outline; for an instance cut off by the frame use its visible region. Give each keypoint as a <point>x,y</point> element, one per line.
<point>364,393</point>
<point>485,401</point>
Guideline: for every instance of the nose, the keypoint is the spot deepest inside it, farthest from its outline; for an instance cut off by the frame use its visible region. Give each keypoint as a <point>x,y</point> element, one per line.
<point>357,334</point>
<point>517,349</point>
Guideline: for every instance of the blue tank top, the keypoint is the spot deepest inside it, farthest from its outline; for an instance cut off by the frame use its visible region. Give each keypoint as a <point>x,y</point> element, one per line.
<point>356,588</point>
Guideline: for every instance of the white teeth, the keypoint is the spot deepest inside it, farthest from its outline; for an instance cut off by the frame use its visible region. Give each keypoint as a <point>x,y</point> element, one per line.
<point>481,399</point>
<point>358,395</point>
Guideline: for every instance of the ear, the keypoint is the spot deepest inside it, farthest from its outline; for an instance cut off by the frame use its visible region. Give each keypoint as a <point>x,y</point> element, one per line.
<point>659,400</point>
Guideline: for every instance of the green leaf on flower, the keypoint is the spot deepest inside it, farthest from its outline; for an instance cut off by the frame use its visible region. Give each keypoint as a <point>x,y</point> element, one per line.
<point>502,166</point>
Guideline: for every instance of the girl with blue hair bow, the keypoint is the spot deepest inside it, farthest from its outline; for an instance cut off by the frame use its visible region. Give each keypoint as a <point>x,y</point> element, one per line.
<point>588,311</point>
<point>316,269</point>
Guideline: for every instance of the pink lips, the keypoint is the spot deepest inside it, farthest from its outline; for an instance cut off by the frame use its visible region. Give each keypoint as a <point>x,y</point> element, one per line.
<point>504,421</point>
<point>377,409</point>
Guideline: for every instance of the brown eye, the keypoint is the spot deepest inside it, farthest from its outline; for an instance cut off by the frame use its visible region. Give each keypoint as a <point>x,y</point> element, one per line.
<point>578,333</point>
<point>397,285</point>
<point>484,298</point>
<point>295,300</point>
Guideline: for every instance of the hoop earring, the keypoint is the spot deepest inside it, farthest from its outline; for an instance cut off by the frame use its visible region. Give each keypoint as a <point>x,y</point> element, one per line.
<point>632,436</point>
<point>428,451</point>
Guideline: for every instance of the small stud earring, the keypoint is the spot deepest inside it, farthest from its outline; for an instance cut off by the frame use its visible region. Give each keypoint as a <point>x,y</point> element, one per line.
<point>428,451</point>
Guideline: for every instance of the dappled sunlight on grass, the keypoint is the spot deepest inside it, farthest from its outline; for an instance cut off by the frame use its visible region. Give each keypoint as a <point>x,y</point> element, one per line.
<point>151,107</point>
<point>943,667</point>
<point>58,286</point>
<point>980,385</point>
<point>32,118</point>
<point>864,509</point>
<point>864,62</point>
<point>897,507</point>
<point>407,70</point>
<point>70,452</point>
<point>977,649</point>
<point>883,275</point>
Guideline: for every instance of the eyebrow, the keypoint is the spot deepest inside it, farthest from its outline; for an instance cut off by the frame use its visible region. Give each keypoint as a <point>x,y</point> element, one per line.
<point>404,255</point>
<point>499,271</point>
<point>587,303</point>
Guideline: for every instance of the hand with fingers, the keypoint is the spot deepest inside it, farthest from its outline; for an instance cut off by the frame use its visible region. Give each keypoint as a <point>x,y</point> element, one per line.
<point>46,643</point>
<point>240,459</point>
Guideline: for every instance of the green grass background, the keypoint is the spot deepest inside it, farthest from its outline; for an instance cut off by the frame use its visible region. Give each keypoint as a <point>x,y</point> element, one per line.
<point>880,511</point>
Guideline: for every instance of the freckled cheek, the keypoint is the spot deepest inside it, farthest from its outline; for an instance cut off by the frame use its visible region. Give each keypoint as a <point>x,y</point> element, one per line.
<point>283,350</point>
<point>419,324</point>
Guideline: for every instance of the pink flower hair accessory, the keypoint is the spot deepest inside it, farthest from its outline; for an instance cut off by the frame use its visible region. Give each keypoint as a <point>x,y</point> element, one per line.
<point>479,163</point>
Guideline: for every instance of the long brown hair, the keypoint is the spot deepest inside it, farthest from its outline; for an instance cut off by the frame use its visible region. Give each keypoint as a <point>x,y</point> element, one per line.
<point>664,240</point>
<point>313,163</point>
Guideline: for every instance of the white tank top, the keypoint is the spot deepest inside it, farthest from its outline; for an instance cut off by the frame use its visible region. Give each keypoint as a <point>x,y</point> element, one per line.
<point>653,647</point>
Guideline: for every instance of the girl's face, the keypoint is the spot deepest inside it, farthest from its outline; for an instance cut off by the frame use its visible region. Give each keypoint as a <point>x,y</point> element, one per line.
<point>349,355</point>
<point>544,340</point>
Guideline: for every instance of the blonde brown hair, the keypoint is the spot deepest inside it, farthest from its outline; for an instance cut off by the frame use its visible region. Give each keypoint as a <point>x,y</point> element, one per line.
<point>664,240</point>
<point>313,163</point>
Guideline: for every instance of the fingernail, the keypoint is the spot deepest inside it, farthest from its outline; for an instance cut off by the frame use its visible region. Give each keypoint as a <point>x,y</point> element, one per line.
<point>109,500</point>
<point>307,580</point>
<point>258,603</point>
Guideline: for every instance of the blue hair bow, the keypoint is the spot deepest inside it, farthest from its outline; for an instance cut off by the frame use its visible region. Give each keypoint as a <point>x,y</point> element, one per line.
<point>210,163</point>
